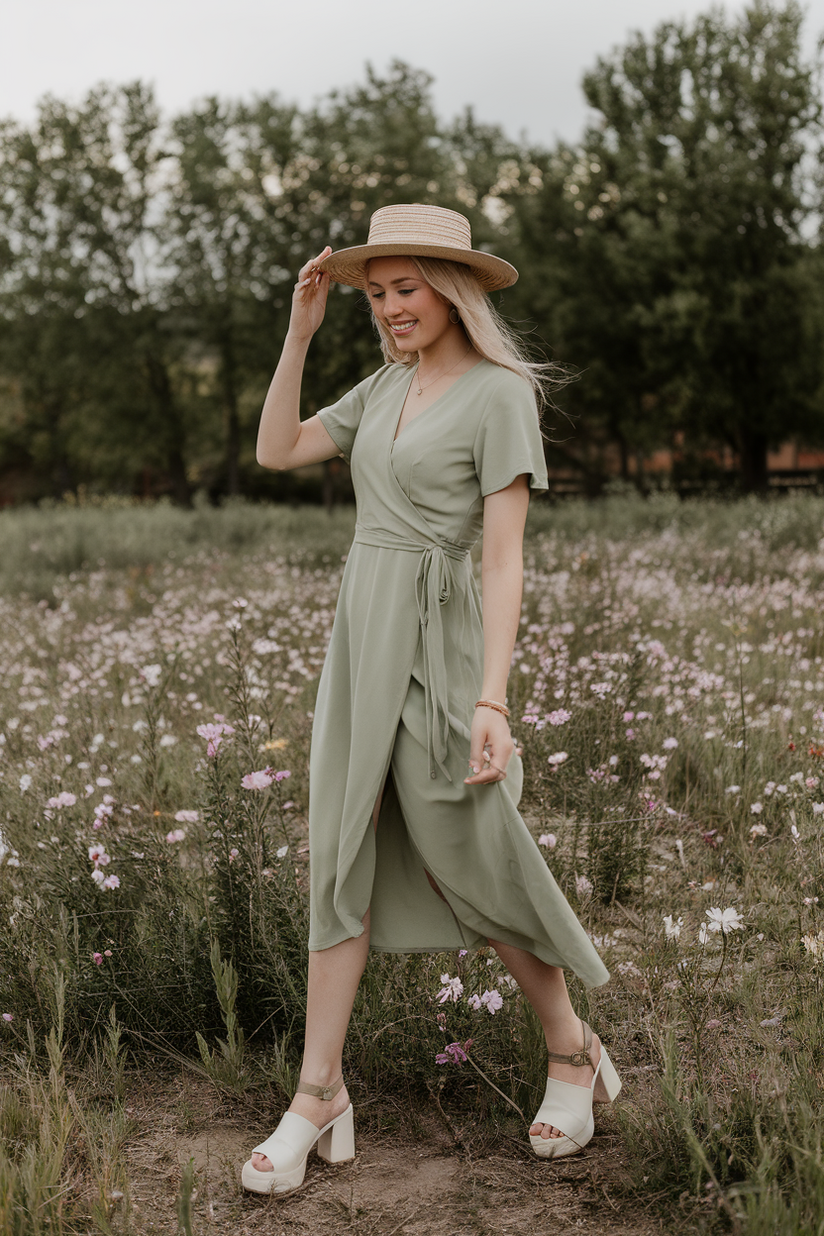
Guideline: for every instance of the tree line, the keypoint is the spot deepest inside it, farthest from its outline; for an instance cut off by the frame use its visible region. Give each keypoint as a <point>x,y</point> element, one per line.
<point>671,260</point>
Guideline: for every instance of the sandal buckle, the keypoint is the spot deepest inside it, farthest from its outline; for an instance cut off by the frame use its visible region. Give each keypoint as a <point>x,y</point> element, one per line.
<point>327,1093</point>
<point>579,1058</point>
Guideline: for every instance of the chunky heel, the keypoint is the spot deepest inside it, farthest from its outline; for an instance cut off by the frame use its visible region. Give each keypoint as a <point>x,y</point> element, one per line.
<point>568,1107</point>
<point>336,1143</point>
<point>609,1077</point>
<point>288,1147</point>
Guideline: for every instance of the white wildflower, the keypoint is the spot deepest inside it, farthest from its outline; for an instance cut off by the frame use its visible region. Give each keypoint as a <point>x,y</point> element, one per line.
<point>724,920</point>
<point>814,945</point>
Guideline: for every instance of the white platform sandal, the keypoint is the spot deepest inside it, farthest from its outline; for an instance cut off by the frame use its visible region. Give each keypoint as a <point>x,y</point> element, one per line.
<point>569,1107</point>
<point>287,1149</point>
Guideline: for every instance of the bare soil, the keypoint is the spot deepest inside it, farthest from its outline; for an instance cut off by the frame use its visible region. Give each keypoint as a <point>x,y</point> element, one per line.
<point>427,1179</point>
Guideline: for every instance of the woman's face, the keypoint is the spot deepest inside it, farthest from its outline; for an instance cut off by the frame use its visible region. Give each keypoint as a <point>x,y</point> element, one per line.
<point>413,311</point>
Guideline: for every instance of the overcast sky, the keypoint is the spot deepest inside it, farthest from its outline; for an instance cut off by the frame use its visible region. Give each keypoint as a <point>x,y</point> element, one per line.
<point>518,63</point>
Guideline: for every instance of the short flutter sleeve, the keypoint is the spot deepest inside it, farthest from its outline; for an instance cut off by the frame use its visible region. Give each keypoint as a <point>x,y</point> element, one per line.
<point>508,442</point>
<point>341,419</point>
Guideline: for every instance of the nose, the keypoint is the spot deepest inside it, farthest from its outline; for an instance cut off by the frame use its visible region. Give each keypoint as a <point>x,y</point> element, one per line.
<point>393,307</point>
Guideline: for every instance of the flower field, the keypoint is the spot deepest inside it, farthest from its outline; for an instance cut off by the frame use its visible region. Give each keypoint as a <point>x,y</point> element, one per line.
<point>158,677</point>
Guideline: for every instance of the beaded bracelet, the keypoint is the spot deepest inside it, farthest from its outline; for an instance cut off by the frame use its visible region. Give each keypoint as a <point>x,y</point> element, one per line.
<point>502,708</point>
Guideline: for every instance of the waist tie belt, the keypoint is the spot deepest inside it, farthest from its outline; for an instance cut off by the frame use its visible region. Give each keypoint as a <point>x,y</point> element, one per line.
<point>433,584</point>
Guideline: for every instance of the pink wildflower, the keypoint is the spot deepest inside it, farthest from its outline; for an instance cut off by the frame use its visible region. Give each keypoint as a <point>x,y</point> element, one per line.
<point>63,799</point>
<point>214,735</point>
<point>98,856</point>
<point>493,1001</point>
<point>453,1053</point>
<point>8,1017</point>
<point>260,780</point>
<point>101,813</point>
<point>111,881</point>
<point>177,834</point>
<point>452,990</point>
<point>97,958</point>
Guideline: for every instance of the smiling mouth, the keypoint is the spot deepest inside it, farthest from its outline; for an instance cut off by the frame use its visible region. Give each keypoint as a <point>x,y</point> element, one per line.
<point>402,328</point>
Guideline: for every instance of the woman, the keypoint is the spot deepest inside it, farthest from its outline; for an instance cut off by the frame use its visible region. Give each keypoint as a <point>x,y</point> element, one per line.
<point>407,851</point>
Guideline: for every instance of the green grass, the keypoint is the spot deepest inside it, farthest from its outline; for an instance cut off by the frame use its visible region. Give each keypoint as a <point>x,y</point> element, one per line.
<point>126,627</point>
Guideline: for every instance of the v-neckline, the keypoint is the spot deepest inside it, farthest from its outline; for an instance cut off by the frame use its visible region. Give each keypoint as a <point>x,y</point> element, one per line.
<point>400,432</point>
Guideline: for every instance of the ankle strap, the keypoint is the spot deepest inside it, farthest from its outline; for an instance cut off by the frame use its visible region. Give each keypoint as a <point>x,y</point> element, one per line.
<point>320,1092</point>
<point>578,1058</point>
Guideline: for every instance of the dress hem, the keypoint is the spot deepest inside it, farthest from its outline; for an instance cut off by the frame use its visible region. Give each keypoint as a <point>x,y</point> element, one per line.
<point>399,950</point>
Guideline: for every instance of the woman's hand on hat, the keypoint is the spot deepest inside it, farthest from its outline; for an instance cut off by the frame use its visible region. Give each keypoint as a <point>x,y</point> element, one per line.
<point>309,297</point>
<point>491,748</point>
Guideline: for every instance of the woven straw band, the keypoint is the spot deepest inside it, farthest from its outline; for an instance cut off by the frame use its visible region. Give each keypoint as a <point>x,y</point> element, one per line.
<point>430,225</point>
<point>414,230</point>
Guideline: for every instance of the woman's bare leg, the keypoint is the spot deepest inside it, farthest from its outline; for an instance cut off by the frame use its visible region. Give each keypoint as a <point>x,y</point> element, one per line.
<point>334,975</point>
<point>545,988</point>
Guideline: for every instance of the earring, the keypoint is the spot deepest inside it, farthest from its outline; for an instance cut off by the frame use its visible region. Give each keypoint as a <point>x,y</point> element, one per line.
<point>454,316</point>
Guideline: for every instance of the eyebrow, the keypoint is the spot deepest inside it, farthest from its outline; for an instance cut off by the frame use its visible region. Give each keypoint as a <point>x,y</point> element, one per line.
<point>393,282</point>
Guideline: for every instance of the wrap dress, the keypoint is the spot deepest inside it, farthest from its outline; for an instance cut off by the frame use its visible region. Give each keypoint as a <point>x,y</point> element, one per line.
<point>398,689</point>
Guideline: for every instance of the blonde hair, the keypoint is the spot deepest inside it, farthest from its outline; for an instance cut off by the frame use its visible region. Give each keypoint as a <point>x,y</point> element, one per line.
<point>485,329</point>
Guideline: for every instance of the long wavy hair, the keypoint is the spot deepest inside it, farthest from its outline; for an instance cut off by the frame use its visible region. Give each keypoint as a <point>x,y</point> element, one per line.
<point>485,329</point>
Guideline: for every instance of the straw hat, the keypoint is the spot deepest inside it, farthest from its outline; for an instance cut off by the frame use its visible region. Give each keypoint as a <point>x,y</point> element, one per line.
<point>419,231</point>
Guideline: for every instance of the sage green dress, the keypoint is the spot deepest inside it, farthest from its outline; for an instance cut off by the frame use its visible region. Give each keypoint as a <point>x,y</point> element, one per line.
<point>399,685</point>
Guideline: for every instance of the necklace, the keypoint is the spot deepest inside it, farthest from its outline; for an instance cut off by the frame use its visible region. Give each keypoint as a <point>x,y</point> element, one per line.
<point>421,389</point>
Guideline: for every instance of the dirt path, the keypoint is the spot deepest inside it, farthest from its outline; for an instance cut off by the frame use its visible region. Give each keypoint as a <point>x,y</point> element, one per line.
<point>395,1187</point>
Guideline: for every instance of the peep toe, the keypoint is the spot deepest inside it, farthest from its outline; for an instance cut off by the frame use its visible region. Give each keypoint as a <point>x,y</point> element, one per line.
<point>287,1149</point>
<point>569,1107</point>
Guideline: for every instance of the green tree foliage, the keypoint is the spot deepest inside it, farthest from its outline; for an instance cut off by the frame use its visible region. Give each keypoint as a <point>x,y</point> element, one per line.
<point>224,248</point>
<point>84,299</point>
<point>671,258</point>
<point>685,246</point>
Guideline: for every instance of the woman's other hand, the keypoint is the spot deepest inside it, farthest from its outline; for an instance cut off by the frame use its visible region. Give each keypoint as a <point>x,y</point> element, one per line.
<point>309,298</point>
<point>491,747</point>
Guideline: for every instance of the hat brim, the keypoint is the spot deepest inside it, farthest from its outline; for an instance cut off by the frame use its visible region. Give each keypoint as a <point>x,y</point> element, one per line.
<point>349,265</point>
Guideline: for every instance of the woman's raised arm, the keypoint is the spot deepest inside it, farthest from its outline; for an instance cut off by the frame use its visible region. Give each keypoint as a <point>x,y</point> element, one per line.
<point>284,441</point>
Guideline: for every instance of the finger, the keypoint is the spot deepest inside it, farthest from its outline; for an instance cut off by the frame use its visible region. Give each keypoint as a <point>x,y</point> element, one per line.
<point>500,753</point>
<point>477,747</point>
<point>316,282</point>
<point>485,779</point>
<point>311,266</point>
<point>487,775</point>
